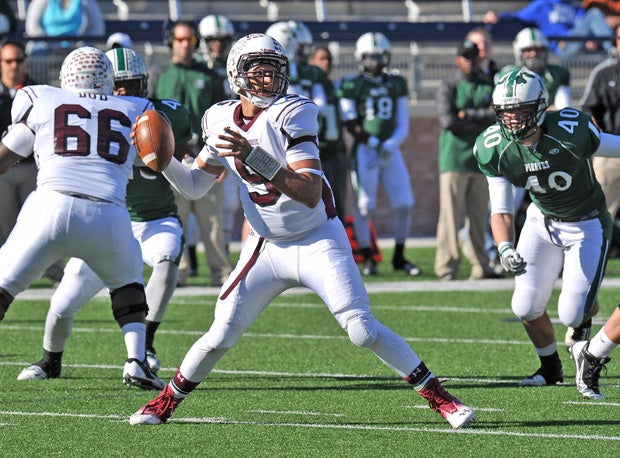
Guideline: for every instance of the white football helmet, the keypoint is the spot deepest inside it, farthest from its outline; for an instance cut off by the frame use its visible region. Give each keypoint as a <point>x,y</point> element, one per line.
<point>286,34</point>
<point>373,51</point>
<point>520,99</point>
<point>304,40</point>
<point>87,69</point>
<point>531,38</point>
<point>216,27</point>
<point>128,65</point>
<point>251,50</point>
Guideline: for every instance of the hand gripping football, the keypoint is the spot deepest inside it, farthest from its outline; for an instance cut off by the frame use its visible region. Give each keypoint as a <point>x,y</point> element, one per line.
<point>154,140</point>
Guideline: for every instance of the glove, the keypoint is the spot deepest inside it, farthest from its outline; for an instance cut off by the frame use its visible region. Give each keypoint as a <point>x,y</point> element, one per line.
<point>387,149</point>
<point>510,259</point>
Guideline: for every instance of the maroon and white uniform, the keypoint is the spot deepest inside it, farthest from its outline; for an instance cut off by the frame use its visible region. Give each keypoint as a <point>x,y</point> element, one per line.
<point>290,244</point>
<point>84,155</point>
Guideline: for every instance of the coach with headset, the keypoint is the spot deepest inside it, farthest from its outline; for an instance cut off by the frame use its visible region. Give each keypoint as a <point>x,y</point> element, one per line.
<point>196,86</point>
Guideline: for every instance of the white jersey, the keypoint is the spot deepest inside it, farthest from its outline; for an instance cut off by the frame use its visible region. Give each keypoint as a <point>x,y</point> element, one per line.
<point>287,130</point>
<point>82,142</point>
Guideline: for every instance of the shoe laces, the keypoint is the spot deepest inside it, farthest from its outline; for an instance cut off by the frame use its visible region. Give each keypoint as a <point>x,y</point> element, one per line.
<point>593,370</point>
<point>163,405</point>
<point>438,398</point>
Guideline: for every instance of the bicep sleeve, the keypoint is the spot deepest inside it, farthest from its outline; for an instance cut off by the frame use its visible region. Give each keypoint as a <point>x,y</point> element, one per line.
<point>501,195</point>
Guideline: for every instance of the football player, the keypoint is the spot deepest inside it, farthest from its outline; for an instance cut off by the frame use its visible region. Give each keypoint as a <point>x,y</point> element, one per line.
<point>375,111</point>
<point>79,134</point>
<point>531,50</point>
<point>311,81</point>
<point>590,357</point>
<point>217,35</point>
<point>155,225</point>
<point>568,227</point>
<point>267,140</point>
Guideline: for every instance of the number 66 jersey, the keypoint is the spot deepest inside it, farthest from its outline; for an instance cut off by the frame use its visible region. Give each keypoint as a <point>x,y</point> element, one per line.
<point>552,171</point>
<point>82,142</point>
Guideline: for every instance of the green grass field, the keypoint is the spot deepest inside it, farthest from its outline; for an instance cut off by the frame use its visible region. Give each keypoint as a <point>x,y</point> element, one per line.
<point>295,386</point>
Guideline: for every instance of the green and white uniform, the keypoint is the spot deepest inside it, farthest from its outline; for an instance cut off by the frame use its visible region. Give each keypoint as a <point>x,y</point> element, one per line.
<point>312,82</point>
<point>568,227</point>
<point>381,105</point>
<point>554,77</point>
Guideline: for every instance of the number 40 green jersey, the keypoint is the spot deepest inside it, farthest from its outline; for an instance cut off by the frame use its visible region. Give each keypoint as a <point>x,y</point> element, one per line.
<point>557,173</point>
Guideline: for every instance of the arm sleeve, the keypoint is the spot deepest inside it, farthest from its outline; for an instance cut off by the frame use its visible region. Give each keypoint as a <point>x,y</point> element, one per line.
<point>348,109</point>
<point>562,97</point>
<point>402,121</point>
<point>192,183</point>
<point>609,146</point>
<point>501,195</point>
<point>19,139</point>
<point>319,97</point>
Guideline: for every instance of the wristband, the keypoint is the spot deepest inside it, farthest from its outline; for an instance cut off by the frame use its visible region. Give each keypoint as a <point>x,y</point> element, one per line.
<point>503,246</point>
<point>262,163</point>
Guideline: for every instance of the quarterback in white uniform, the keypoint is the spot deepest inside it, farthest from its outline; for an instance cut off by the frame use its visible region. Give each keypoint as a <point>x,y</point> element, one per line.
<point>79,134</point>
<point>268,141</point>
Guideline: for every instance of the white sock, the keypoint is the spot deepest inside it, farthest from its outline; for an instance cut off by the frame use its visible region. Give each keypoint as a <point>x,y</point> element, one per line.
<point>135,340</point>
<point>600,345</point>
<point>547,351</point>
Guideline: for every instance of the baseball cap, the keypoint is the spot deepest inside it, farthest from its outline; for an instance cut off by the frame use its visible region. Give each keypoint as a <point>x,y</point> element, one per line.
<point>119,39</point>
<point>468,49</point>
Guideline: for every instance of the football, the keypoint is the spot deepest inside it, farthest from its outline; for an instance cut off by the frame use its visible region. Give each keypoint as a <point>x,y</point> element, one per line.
<point>154,140</point>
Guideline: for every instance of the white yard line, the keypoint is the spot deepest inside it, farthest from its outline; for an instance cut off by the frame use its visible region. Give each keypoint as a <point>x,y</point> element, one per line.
<point>225,421</point>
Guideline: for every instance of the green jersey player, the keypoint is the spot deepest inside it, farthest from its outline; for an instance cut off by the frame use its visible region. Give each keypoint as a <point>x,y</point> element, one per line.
<point>567,228</point>
<point>531,50</point>
<point>375,110</point>
<point>313,82</point>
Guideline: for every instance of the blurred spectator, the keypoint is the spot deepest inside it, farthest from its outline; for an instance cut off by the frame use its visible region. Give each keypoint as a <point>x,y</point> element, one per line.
<point>601,99</point>
<point>482,38</point>
<point>196,86</point>
<point>561,18</point>
<point>58,18</point>
<point>20,180</point>
<point>8,21</point>
<point>119,40</point>
<point>464,111</point>
<point>610,8</point>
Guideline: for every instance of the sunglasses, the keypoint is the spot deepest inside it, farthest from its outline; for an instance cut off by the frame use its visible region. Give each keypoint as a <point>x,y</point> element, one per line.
<point>10,61</point>
<point>192,40</point>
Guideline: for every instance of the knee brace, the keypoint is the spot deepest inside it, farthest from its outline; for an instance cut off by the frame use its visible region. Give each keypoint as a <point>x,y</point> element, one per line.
<point>129,304</point>
<point>5,301</point>
<point>362,331</point>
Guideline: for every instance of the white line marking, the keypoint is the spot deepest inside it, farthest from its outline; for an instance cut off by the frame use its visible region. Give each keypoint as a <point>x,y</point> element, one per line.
<point>593,403</point>
<point>281,336</point>
<point>293,412</point>
<point>224,421</point>
<point>476,409</point>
